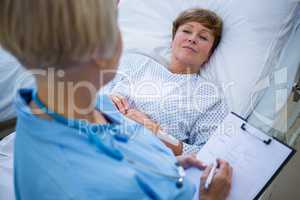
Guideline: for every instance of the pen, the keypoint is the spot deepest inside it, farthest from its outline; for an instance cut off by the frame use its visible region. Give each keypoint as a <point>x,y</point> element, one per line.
<point>211,175</point>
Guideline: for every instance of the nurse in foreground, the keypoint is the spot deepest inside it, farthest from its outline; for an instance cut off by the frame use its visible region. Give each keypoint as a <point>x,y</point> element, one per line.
<point>70,144</point>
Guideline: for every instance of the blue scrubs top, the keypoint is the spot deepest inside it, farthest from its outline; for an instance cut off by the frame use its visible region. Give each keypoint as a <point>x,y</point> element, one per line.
<point>57,161</point>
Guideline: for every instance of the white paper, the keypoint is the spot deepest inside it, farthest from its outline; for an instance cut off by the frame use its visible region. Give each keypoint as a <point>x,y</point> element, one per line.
<point>253,162</point>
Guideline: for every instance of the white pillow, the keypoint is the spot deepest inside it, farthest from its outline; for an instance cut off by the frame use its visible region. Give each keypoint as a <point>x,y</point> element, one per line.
<point>254,30</point>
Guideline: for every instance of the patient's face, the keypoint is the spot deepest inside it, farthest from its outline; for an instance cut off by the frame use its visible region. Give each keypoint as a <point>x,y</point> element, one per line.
<point>192,44</point>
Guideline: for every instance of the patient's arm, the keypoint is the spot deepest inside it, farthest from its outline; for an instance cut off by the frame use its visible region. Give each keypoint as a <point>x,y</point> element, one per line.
<point>123,106</point>
<point>143,119</point>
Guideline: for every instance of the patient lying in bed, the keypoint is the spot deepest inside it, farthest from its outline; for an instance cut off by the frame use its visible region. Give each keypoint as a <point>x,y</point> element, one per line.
<point>175,100</point>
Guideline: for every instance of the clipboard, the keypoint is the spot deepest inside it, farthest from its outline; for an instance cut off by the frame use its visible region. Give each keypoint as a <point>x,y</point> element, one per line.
<point>288,158</point>
<point>242,144</point>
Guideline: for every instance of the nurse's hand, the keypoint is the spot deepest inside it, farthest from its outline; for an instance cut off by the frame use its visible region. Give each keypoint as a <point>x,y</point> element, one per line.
<point>191,160</point>
<point>220,187</point>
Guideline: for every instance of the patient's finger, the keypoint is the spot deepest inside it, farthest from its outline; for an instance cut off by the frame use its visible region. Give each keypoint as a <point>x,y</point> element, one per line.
<point>123,104</point>
<point>118,103</point>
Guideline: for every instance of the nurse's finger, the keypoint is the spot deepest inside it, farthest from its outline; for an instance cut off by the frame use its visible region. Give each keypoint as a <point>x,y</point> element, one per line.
<point>224,167</point>
<point>192,161</point>
<point>205,175</point>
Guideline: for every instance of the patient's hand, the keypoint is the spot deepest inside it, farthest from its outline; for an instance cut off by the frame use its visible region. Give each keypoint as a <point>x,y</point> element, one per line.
<point>143,119</point>
<point>120,102</point>
<point>123,106</point>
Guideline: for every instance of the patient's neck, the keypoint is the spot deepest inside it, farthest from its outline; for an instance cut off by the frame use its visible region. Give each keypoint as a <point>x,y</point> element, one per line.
<point>178,67</point>
<point>71,92</point>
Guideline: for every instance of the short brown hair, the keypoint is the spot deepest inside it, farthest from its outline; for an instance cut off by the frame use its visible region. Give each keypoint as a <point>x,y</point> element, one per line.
<point>58,32</point>
<point>207,18</point>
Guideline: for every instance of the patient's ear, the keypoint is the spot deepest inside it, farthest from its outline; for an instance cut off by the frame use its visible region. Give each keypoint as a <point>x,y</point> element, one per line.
<point>171,44</point>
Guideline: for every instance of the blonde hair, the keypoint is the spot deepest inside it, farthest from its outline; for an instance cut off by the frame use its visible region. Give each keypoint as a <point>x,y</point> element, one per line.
<point>57,32</point>
<point>207,18</point>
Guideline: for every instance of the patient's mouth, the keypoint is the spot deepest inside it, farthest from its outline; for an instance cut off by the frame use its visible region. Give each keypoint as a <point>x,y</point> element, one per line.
<point>190,48</point>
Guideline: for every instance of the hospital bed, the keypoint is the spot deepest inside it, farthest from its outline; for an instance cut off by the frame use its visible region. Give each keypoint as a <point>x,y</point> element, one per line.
<point>256,63</point>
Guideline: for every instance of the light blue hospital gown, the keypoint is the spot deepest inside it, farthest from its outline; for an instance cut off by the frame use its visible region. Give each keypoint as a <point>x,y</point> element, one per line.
<point>55,161</point>
<point>185,105</point>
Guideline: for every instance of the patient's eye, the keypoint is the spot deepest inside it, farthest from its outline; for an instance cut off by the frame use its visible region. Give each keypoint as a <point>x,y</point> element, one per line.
<point>203,37</point>
<point>186,31</point>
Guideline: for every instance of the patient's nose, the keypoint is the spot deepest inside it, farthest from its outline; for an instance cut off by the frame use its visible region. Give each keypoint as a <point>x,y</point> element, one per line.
<point>192,39</point>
